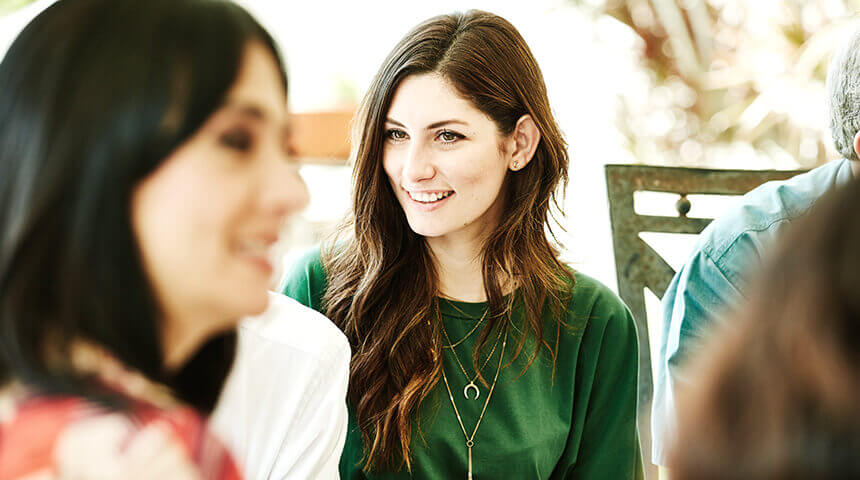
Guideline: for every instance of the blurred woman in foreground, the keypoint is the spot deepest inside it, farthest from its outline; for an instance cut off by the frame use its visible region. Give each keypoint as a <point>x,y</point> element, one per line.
<point>145,171</point>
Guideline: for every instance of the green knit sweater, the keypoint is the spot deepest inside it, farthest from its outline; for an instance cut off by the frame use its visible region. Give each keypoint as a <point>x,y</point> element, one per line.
<point>579,423</point>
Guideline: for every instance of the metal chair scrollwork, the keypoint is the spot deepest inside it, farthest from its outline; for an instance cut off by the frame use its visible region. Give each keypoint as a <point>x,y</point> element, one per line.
<point>638,266</point>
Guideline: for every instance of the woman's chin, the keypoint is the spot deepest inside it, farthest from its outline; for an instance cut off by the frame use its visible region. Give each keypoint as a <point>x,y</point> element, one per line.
<point>428,230</point>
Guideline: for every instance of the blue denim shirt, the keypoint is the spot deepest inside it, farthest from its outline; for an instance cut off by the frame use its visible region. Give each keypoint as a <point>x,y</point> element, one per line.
<point>716,275</point>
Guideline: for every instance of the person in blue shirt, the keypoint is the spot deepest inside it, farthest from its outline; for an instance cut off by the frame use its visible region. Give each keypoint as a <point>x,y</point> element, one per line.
<point>776,390</point>
<point>716,276</point>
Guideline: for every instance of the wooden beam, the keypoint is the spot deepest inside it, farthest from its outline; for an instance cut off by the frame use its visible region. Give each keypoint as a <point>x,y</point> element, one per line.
<point>322,137</point>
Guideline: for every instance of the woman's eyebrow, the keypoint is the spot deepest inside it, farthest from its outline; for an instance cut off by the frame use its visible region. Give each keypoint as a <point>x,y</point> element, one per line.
<point>432,125</point>
<point>246,109</point>
<point>446,122</point>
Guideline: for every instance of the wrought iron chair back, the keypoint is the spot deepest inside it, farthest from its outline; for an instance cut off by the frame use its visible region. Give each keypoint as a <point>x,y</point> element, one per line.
<point>638,266</point>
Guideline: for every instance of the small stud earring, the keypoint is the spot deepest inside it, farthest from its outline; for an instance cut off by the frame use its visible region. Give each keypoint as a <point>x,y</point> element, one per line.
<point>517,164</point>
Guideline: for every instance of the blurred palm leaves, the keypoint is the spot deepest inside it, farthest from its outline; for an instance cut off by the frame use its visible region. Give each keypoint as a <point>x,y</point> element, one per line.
<point>730,82</point>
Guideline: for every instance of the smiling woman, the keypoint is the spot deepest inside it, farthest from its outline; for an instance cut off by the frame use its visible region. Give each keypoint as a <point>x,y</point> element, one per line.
<point>457,164</point>
<point>446,258</point>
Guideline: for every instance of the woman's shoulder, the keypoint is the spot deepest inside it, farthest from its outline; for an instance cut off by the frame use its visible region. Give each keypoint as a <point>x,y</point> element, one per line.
<point>594,305</point>
<point>309,261</point>
<point>287,323</point>
<point>591,291</point>
<point>71,437</point>
<point>297,360</point>
<point>306,279</point>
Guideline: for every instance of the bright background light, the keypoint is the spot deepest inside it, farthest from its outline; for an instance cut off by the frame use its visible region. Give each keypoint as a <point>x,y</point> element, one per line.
<point>584,62</point>
<point>608,101</point>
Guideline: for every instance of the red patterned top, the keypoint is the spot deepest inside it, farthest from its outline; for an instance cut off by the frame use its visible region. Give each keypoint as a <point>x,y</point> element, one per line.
<point>57,437</point>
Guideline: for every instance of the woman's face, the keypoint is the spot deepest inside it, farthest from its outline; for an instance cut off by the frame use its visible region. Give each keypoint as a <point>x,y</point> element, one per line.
<point>443,159</point>
<point>206,219</point>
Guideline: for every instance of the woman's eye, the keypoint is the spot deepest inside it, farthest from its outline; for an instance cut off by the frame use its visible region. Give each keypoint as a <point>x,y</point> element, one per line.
<point>395,134</point>
<point>449,137</point>
<point>237,139</point>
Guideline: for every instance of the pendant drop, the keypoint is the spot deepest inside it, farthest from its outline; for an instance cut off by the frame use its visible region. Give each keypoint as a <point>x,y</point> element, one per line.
<point>470,386</point>
<point>469,477</point>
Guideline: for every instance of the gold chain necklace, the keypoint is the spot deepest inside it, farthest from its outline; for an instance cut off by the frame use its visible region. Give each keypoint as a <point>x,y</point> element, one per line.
<point>470,440</point>
<point>452,345</point>
<point>471,384</point>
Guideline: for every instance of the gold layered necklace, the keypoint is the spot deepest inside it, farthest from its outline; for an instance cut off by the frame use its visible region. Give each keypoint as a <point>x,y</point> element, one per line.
<point>480,321</point>
<point>470,439</point>
<point>471,385</point>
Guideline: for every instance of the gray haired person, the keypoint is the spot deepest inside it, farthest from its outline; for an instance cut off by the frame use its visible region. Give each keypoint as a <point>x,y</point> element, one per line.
<point>716,275</point>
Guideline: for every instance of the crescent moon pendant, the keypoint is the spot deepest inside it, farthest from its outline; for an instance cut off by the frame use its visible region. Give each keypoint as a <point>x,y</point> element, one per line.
<point>469,387</point>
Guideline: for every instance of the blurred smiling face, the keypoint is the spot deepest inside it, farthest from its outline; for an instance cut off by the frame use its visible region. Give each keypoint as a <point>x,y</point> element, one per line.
<point>207,217</point>
<point>443,159</point>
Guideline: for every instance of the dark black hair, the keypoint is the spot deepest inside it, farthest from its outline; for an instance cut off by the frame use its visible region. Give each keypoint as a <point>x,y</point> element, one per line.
<point>94,95</point>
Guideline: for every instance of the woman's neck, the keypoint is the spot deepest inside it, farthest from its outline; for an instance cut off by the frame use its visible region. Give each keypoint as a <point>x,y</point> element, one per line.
<point>460,269</point>
<point>459,258</point>
<point>185,331</point>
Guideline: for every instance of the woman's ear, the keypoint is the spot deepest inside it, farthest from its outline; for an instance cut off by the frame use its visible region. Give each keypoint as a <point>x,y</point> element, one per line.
<point>524,139</point>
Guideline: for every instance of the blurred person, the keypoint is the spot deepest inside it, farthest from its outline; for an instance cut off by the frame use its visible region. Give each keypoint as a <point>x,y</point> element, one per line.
<point>774,393</point>
<point>475,350</point>
<point>715,278</point>
<point>145,171</point>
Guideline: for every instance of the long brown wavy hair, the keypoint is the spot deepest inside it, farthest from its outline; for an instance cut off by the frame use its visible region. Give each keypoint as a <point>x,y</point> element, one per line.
<point>382,278</point>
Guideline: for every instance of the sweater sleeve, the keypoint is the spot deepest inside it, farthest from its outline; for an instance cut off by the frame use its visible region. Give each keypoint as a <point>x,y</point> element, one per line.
<point>604,441</point>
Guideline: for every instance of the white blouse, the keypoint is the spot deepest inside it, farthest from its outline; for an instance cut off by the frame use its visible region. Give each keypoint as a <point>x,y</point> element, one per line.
<point>283,410</point>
